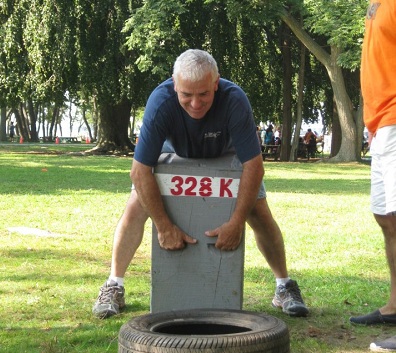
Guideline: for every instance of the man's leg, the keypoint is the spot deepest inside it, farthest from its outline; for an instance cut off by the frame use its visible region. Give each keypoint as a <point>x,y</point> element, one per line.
<point>383,205</point>
<point>268,237</point>
<point>270,243</point>
<point>388,226</point>
<point>383,193</point>
<point>127,238</point>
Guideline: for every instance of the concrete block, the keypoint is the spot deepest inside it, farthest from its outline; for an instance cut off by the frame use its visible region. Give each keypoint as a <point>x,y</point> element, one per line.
<point>199,195</point>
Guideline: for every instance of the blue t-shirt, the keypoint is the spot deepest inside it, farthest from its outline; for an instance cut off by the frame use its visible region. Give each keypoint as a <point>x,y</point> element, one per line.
<point>228,125</point>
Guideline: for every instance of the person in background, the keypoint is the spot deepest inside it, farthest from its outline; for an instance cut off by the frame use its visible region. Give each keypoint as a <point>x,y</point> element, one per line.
<point>12,132</point>
<point>278,133</point>
<point>197,114</point>
<point>259,138</point>
<point>379,94</point>
<point>277,136</point>
<point>269,136</point>
<point>308,136</point>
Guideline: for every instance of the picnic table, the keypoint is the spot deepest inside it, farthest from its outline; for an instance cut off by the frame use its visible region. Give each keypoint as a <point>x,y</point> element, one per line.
<point>306,151</point>
<point>271,151</point>
<point>68,140</point>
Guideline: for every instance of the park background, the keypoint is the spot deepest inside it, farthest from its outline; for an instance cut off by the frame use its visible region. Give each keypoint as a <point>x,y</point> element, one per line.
<point>92,64</point>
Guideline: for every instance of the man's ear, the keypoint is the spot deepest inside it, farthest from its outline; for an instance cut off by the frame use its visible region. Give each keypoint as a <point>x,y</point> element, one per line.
<point>217,83</point>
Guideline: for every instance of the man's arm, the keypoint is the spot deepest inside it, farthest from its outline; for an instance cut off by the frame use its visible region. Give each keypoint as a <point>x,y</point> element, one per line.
<point>230,233</point>
<point>170,237</point>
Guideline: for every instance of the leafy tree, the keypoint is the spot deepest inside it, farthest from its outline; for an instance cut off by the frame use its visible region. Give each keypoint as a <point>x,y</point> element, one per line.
<point>36,61</point>
<point>103,68</point>
<point>342,23</point>
<point>50,47</point>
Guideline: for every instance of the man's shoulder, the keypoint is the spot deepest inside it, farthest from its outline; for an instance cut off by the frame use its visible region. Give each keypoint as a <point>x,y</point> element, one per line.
<point>164,89</point>
<point>162,94</point>
<point>227,84</point>
<point>229,88</point>
<point>230,93</point>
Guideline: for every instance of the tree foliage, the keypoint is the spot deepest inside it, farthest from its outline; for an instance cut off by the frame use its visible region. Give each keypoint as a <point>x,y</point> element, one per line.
<point>114,52</point>
<point>342,23</point>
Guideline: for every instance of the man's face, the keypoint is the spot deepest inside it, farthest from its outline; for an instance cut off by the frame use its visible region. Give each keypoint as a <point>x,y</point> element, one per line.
<point>196,98</point>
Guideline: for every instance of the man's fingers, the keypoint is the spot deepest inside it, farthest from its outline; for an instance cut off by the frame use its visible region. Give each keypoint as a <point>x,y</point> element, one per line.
<point>189,240</point>
<point>212,233</point>
<point>174,246</point>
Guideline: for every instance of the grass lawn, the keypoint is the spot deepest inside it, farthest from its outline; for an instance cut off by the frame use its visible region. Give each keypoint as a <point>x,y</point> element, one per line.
<point>49,280</point>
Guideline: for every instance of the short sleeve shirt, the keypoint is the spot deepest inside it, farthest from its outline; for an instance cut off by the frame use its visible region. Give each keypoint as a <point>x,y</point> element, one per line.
<point>379,65</point>
<point>227,126</point>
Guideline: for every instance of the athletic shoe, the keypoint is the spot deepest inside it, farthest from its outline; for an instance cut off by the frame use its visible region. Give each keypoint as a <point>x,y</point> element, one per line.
<point>110,300</point>
<point>388,345</point>
<point>288,297</point>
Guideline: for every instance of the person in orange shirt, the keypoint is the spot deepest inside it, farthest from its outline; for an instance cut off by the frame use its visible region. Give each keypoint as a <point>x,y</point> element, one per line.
<point>379,94</point>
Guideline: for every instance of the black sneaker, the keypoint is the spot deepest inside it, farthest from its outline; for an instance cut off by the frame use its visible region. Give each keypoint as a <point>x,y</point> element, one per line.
<point>110,300</point>
<point>288,297</point>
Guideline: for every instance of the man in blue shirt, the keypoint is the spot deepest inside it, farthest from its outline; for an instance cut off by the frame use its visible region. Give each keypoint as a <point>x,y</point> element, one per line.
<point>196,114</point>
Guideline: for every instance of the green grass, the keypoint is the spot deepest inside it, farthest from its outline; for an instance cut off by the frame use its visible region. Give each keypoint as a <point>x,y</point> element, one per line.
<point>49,283</point>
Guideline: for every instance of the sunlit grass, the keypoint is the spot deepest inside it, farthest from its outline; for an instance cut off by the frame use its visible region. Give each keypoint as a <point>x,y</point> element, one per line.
<point>49,283</point>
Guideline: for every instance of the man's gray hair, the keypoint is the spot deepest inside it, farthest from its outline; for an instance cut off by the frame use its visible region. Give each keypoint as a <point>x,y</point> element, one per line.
<point>194,65</point>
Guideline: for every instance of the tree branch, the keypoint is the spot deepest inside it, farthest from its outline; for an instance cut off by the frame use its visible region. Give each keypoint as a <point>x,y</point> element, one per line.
<point>305,38</point>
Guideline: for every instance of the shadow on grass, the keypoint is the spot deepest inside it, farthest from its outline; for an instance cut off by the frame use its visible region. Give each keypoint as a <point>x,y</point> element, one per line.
<point>59,174</point>
<point>320,186</point>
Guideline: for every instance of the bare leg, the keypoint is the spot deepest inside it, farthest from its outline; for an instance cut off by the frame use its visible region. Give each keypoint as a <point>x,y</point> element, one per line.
<point>270,242</point>
<point>388,226</point>
<point>128,235</point>
<point>268,237</point>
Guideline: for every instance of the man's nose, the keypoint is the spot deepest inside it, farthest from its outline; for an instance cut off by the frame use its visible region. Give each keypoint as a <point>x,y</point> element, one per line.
<point>195,102</point>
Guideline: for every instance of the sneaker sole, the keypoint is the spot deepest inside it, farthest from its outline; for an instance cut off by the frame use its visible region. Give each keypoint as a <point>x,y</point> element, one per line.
<point>301,312</point>
<point>105,314</point>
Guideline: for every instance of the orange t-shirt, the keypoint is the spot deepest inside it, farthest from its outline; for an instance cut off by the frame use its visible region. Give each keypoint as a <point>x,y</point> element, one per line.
<point>378,69</point>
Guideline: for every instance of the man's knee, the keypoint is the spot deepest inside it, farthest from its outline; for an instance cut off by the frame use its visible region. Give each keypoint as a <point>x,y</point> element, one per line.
<point>134,208</point>
<point>387,223</point>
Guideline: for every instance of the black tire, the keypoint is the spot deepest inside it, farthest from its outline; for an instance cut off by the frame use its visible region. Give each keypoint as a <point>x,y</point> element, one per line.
<point>204,331</point>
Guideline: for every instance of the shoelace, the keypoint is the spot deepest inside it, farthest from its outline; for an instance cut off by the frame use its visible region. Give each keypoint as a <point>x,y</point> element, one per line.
<point>295,293</point>
<point>106,293</point>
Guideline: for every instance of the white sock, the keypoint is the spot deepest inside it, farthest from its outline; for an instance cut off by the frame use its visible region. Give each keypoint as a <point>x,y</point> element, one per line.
<point>119,280</point>
<point>282,281</point>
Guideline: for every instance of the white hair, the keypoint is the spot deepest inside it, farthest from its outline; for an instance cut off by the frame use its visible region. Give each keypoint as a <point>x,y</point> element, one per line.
<point>194,65</point>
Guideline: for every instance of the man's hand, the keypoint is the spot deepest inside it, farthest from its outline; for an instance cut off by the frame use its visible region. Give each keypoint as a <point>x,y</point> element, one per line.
<point>174,239</point>
<point>229,236</point>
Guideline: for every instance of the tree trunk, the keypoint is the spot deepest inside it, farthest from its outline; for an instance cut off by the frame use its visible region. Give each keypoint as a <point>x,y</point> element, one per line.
<point>113,128</point>
<point>54,123</point>
<point>22,125</point>
<point>300,96</point>
<point>335,133</point>
<point>3,128</point>
<point>87,125</point>
<point>33,121</point>
<point>343,102</point>
<point>359,129</point>
<point>344,108</point>
<point>287,94</point>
